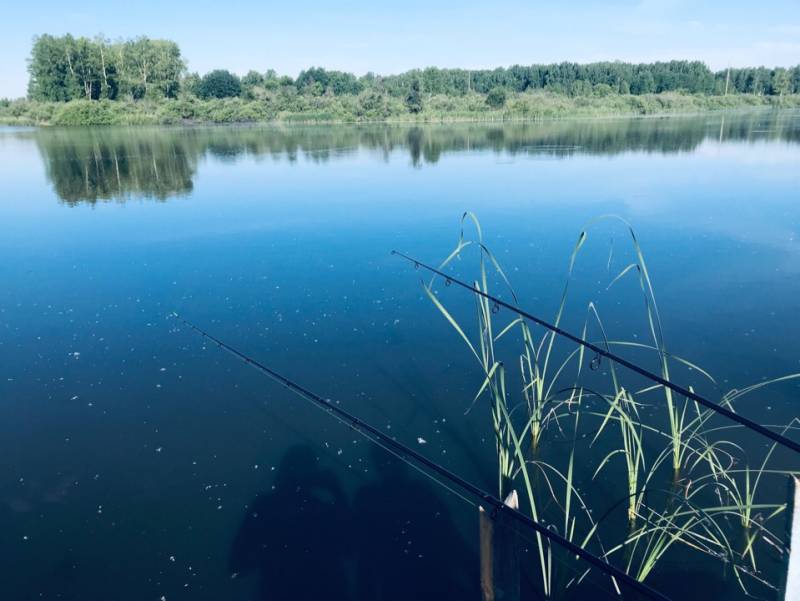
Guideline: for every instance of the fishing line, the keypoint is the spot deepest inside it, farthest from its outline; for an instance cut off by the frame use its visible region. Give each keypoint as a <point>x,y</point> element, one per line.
<point>599,351</point>
<point>408,454</point>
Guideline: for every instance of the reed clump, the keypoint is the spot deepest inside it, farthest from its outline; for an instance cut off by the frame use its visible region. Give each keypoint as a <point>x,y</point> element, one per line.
<point>626,469</point>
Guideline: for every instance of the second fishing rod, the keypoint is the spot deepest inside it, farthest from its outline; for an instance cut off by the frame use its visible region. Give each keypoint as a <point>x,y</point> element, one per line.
<point>437,472</point>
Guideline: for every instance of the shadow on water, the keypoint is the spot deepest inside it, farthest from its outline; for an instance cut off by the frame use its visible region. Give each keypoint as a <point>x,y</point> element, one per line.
<point>295,537</point>
<point>100,164</point>
<point>397,541</point>
<point>407,544</point>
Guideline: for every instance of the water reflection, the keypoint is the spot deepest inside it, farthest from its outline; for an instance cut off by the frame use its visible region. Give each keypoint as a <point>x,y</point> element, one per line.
<point>87,166</point>
<point>91,165</point>
<point>295,536</point>
<point>411,548</point>
<point>397,542</point>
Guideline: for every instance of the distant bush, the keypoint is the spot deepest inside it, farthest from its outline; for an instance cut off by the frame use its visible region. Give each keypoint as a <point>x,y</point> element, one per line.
<point>602,89</point>
<point>41,112</point>
<point>87,112</point>
<point>414,97</point>
<point>177,111</point>
<point>220,84</point>
<point>496,98</point>
<point>373,105</point>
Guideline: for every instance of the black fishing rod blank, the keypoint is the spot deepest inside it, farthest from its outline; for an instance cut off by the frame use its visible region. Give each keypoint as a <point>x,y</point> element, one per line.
<point>408,454</point>
<point>756,427</point>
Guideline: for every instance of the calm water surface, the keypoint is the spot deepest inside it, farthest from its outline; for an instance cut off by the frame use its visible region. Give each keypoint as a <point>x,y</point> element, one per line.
<point>138,463</point>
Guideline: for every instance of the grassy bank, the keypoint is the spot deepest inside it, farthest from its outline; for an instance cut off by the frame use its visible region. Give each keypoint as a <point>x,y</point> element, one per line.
<point>370,106</point>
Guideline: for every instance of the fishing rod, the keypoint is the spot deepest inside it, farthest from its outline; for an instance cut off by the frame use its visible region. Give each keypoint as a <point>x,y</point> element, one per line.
<point>778,438</point>
<point>408,454</point>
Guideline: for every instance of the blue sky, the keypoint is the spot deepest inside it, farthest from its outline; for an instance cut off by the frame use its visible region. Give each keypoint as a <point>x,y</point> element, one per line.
<point>370,35</point>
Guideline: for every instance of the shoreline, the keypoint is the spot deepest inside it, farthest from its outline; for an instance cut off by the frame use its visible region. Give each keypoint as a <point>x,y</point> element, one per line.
<point>523,108</point>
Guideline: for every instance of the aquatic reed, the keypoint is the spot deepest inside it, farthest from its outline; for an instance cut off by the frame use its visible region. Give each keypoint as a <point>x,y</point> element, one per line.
<point>680,486</point>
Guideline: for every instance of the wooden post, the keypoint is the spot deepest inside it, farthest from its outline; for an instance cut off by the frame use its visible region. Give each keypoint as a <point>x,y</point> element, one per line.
<point>499,546</point>
<point>792,590</point>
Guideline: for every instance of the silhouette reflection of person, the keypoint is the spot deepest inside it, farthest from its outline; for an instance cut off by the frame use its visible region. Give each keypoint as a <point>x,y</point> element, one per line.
<point>406,543</point>
<point>295,537</point>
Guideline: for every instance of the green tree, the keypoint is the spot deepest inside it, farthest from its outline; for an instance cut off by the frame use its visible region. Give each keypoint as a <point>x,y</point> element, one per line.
<point>414,96</point>
<point>643,83</point>
<point>781,82</point>
<point>49,70</point>
<point>271,80</point>
<point>108,69</point>
<point>795,78</point>
<point>496,98</point>
<point>83,58</point>
<point>168,66</point>
<point>252,79</point>
<point>372,104</point>
<point>317,81</point>
<point>191,84</point>
<point>220,83</point>
<point>253,85</point>
<point>602,89</point>
<point>149,68</point>
<point>67,68</point>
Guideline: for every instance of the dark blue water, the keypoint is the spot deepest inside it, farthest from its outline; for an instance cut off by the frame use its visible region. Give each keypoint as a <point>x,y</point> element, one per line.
<point>138,462</point>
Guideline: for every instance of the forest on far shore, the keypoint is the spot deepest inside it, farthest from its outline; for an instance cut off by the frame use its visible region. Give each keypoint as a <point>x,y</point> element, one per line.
<point>68,68</point>
<point>78,80</point>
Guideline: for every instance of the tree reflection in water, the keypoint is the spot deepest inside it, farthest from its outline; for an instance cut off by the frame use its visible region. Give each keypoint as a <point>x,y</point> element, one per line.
<point>101,164</point>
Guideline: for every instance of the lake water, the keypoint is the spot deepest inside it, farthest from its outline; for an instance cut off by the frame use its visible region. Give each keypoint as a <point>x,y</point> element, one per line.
<point>138,462</point>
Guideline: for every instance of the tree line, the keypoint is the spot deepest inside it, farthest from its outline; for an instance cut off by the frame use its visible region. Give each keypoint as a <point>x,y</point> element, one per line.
<point>571,79</point>
<point>67,68</point>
